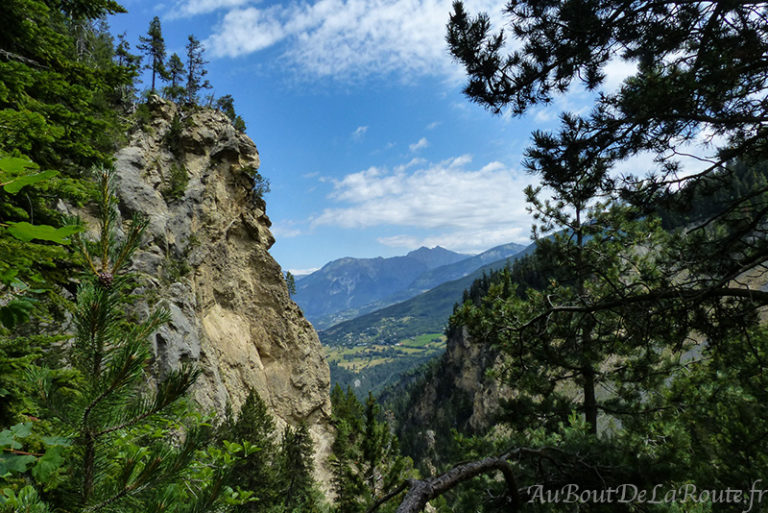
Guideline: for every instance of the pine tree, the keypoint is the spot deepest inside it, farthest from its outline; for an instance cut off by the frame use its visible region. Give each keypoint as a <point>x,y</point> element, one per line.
<point>195,70</point>
<point>175,68</point>
<point>696,74</point>
<point>226,104</point>
<point>125,59</point>
<point>347,481</point>
<point>109,409</point>
<point>153,46</point>
<point>296,476</point>
<point>366,463</point>
<point>256,472</point>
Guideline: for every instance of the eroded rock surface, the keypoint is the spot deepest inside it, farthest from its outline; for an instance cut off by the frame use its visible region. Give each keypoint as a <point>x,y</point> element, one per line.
<point>206,259</point>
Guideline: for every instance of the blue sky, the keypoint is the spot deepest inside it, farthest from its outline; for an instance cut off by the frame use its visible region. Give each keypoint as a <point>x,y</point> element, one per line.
<point>356,108</point>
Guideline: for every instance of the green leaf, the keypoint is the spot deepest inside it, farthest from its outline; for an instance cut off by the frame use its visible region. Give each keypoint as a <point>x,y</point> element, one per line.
<point>17,463</point>
<point>16,165</point>
<point>26,232</point>
<point>16,185</point>
<point>48,463</point>
<point>22,430</point>
<point>7,439</point>
<point>57,440</point>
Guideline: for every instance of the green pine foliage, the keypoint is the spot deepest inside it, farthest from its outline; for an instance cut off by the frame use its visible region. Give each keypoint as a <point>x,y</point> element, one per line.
<point>277,473</point>
<point>174,91</point>
<point>60,102</point>
<point>296,481</point>
<point>366,464</point>
<point>258,471</point>
<point>153,46</point>
<point>195,70</point>
<point>226,104</point>
<point>56,90</point>
<point>116,444</point>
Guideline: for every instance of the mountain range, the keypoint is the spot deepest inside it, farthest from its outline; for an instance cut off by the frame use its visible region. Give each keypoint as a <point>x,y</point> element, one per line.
<point>423,313</point>
<point>349,287</point>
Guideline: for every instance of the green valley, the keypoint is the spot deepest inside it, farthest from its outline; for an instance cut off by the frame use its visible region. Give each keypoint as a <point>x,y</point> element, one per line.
<point>372,367</point>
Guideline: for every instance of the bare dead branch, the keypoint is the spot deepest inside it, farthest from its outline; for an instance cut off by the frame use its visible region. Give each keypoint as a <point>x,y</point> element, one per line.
<point>422,491</point>
<point>5,54</point>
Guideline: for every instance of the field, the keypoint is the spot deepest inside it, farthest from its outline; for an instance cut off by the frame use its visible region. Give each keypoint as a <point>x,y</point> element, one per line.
<point>372,367</point>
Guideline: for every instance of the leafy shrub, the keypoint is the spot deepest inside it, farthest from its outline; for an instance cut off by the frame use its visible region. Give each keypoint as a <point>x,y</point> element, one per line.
<point>176,182</point>
<point>172,137</point>
<point>260,184</point>
<point>142,115</point>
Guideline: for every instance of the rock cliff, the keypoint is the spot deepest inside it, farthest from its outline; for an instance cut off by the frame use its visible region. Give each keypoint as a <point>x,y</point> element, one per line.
<point>206,260</point>
<point>455,393</point>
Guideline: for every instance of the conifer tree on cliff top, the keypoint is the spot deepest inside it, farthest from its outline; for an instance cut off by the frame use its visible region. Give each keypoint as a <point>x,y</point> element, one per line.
<point>195,69</point>
<point>153,46</point>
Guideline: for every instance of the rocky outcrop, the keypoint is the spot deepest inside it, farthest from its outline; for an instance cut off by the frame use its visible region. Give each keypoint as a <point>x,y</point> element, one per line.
<point>456,393</point>
<point>206,259</point>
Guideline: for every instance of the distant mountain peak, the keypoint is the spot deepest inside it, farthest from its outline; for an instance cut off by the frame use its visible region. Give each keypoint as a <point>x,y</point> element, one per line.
<point>425,249</point>
<point>354,286</point>
<point>435,257</point>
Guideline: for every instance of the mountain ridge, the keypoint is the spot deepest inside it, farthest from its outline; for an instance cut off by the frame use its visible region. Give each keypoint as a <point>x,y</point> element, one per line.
<point>349,283</point>
<point>426,281</point>
<point>427,312</point>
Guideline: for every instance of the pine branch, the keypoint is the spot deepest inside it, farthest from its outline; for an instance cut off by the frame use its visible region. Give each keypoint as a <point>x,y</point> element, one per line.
<point>422,491</point>
<point>687,295</point>
<point>397,491</point>
<point>16,57</point>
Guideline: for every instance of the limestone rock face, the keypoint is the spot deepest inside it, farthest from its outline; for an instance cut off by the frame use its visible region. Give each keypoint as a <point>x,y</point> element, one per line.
<point>206,259</point>
<point>456,394</point>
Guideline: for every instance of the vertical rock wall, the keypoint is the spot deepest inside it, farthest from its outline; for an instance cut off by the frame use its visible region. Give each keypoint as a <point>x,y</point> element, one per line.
<point>206,260</point>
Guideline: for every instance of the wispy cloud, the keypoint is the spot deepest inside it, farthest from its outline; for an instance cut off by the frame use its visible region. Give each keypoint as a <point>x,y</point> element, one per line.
<point>286,230</point>
<point>359,132</point>
<point>468,208</point>
<point>302,272</point>
<point>418,145</point>
<point>433,125</point>
<point>188,8</point>
<point>341,38</point>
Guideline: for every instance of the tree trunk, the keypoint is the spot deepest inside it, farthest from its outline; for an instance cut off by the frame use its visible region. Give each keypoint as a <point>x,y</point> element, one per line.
<point>590,402</point>
<point>422,491</point>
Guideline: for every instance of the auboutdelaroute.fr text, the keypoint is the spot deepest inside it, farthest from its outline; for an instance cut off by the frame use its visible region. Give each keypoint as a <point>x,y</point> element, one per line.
<point>659,494</point>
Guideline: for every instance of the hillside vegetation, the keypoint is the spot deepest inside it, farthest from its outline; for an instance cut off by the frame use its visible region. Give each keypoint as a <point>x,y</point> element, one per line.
<point>425,313</point>
<point>94,414</point>
<point>344,286</point>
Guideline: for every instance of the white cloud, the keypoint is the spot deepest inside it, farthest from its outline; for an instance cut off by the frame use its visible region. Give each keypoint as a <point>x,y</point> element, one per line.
<point>303,272</point>
<point>463,241</point>
<point>344,38</point>
<point>418,145</point>
<point>433,125</point>
<point>616,71</point>
<point>359,132</point>
<point>190,8</point>
<point>468,208</point>
<point>244,31</point>
<point>286,230</point>
<point>693,156</point>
